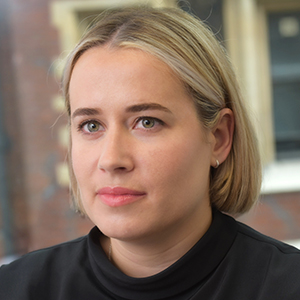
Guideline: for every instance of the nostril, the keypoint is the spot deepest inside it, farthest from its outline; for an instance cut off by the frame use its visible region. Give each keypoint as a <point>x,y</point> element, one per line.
<point>122,168</point>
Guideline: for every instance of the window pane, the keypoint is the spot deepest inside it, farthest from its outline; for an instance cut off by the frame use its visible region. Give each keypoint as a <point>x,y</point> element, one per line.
<point>284,35</point>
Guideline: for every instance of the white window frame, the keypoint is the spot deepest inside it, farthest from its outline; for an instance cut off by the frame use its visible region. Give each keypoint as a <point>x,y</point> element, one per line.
<point>246,35</point>
<point>64,15</point>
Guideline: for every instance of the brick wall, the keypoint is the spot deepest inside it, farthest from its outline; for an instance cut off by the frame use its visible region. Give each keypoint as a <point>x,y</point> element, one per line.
<point>42,216</point>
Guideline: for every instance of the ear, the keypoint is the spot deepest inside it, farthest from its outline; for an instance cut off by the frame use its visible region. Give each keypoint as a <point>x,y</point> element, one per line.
<point>223,135</point>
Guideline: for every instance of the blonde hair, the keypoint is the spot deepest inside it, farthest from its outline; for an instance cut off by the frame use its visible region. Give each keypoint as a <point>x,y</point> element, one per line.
<point>190,49</point>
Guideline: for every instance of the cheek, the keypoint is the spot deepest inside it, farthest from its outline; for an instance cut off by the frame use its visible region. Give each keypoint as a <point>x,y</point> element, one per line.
<point>178,164</point>
<point>82,161</point>
<point>77,163</point>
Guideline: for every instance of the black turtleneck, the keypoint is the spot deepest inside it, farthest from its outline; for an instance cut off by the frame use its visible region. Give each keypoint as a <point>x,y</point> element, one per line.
<point>231,261</point>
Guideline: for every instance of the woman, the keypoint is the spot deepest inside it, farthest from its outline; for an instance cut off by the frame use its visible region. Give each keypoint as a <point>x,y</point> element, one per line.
<point>160,145</point>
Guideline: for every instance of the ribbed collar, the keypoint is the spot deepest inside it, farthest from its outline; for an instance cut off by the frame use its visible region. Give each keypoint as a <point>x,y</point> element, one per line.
<point>189,272</point>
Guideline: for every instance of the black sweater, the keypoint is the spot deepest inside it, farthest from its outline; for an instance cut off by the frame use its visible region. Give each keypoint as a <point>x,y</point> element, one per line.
<point>230,262</point>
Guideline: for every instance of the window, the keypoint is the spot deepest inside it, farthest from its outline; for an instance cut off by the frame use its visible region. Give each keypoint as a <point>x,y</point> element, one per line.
<point>71,17</point>
<point>284,40</point>
<point>263,40</point>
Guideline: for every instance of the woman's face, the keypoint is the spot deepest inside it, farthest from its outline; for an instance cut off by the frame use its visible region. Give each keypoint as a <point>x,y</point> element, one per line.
<point>140,155</point>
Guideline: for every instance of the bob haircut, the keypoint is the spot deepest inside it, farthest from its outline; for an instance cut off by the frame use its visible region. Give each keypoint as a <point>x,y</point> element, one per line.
<point>190,49</point>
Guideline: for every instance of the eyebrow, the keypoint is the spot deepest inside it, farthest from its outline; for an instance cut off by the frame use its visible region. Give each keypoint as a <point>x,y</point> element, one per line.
<point>131,109</point>
<point>147,106</point>
<point>85,112</point>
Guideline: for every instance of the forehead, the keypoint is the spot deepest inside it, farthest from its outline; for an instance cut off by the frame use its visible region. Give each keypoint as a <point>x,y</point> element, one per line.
<point>103,72</point>
<point>129,60</point>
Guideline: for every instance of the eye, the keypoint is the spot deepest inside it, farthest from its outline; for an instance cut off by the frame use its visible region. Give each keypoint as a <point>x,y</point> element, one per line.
<point>90,126</point>
<point>148,123</point>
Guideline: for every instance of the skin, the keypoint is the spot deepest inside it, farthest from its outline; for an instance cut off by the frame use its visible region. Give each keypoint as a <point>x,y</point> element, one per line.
<point>133,125</point>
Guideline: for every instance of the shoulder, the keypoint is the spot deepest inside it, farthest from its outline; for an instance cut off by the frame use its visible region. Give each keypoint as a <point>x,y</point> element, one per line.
<point>41,266</point>
<point>260,241</point>
<point>258,266</point>
<point>51,254</point>
<point>275,264</point>
<point>253,247</point>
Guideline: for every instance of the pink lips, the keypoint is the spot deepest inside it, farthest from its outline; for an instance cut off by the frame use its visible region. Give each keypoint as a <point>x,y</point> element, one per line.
<point>119,196</point>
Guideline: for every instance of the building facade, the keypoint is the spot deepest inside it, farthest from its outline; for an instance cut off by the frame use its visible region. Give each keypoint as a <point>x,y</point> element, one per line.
<point>263,40</point>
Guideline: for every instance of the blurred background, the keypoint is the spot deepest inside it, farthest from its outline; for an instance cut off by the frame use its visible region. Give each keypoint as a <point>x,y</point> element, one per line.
<point>263,41</point>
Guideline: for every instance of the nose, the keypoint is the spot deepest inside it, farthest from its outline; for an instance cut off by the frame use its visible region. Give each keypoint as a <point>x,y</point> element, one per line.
<point>115,154</point>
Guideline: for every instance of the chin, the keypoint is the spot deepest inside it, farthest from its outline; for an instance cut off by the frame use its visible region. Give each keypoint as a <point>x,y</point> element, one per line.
<point>121,230</point>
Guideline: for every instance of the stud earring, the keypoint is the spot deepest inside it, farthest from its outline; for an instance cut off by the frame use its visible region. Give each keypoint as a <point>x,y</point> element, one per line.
<point>217,164</point>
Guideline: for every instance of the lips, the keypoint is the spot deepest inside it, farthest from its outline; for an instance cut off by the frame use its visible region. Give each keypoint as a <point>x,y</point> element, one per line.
<point>119,196</point>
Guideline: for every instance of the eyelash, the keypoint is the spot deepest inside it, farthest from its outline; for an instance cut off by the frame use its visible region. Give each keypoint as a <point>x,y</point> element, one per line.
<point>82,124</point>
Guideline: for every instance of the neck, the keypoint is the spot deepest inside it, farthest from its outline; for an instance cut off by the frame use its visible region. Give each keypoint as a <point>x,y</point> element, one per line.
<point>152,255</point>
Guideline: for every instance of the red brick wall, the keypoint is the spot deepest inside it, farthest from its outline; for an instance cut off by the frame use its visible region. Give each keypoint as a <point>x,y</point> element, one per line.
<point>42,216</point>
<point>10,114</point>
